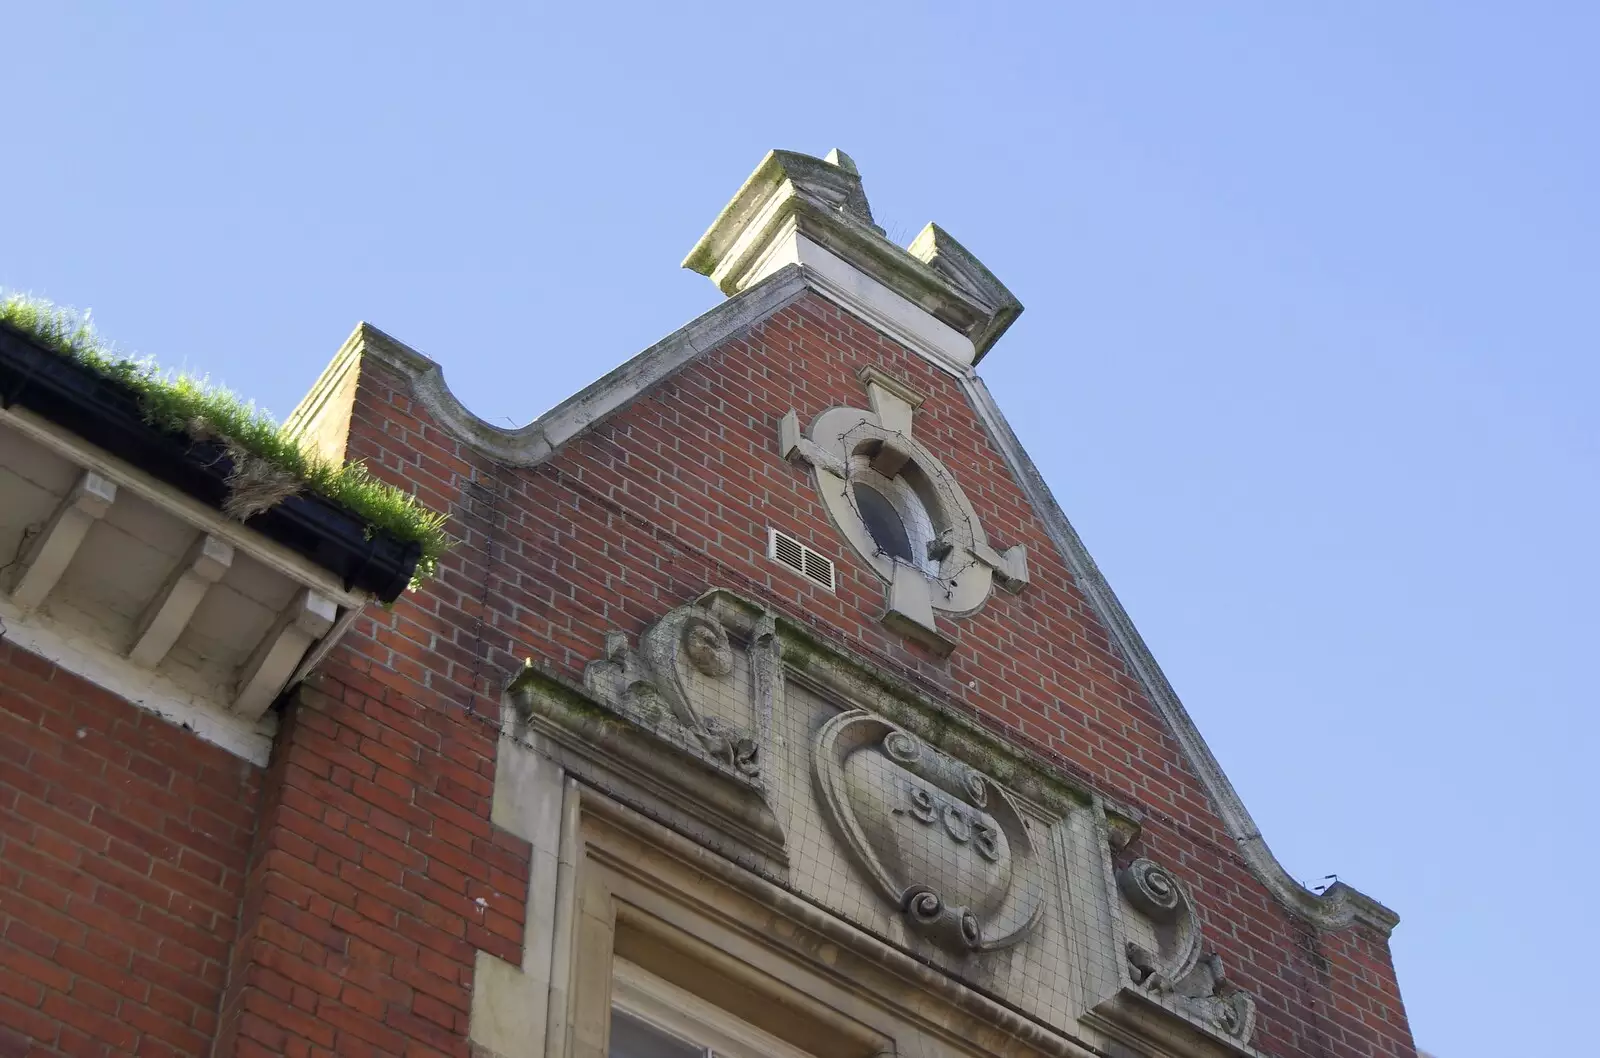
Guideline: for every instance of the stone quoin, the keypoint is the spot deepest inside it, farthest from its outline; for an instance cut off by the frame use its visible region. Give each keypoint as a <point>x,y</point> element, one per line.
<point>767,704</point>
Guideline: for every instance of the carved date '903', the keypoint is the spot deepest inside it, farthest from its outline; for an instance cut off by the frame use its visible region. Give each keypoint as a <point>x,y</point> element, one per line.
<point>959,822</point>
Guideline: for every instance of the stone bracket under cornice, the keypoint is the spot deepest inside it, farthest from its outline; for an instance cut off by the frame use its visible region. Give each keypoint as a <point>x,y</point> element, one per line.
<point>1338,907</point>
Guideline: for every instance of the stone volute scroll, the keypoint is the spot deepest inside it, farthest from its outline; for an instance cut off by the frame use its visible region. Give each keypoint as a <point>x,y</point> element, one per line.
<point>679,727</point>
<point>902,510</point>
<point>680,669</point>
<point>939,840</point>
<point>1167,959</point>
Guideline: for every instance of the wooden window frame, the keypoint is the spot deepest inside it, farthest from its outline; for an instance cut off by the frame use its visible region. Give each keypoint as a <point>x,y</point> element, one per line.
<point>679,1012</point>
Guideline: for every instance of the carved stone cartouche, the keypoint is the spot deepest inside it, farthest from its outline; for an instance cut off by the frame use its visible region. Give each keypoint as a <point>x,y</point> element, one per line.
<point>940,841</point>
<point>1192,980</point>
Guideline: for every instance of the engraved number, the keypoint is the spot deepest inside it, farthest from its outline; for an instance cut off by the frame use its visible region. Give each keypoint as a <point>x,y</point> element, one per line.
<point>962,824</point>
<point>957,825</point>
<point>987,840</point>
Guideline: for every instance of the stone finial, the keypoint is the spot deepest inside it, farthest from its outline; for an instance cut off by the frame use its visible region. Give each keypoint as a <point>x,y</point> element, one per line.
<point>842,160</point>
<point>797,209</point>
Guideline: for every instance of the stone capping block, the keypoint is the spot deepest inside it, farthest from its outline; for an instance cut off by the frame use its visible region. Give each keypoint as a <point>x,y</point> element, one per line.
<point>939,250</point>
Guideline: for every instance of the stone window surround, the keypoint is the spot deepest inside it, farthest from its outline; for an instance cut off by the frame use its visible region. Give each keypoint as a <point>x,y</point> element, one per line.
<point>954,568</point>
<point>648,899</point>
<point>908,506</point>
<point>608,883</point>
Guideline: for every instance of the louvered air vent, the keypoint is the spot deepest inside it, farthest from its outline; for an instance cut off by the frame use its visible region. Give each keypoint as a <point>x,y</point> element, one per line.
<point>786,550</point>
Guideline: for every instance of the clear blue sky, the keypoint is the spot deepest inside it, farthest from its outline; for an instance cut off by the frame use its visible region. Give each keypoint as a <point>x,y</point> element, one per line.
<point>1309,354</point>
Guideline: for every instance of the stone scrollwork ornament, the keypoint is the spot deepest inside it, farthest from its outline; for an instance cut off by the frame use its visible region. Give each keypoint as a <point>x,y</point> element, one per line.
<point>677,725</point>
<point>663,679</point>
<point>1180,970</point>
<point>941,841</point>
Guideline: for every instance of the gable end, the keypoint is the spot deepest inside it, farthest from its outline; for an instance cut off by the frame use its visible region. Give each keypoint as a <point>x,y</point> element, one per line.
<point>538,441</point>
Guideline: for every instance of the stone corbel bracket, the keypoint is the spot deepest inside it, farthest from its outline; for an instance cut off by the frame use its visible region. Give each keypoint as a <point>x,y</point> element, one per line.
<point>673,654</point>
<point>641,726</point>
<point>1174,989</point>
<point>1010,567</point>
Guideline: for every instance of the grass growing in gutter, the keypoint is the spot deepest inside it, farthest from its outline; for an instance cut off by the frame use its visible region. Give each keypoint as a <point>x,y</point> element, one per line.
<point>269,465</point>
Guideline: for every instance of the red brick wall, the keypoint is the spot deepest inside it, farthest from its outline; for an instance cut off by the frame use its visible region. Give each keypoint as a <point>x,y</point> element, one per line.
<point>673,495</point>
<point>123,843</point>
<point>375,876</point>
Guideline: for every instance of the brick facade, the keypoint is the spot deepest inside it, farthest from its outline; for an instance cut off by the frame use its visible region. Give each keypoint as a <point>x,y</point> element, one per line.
<point>373,872</point>
<point>123,847</point>
<point>374,876</point>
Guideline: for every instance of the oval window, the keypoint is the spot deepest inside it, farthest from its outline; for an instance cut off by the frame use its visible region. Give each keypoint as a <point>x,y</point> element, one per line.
<point>883,523</point>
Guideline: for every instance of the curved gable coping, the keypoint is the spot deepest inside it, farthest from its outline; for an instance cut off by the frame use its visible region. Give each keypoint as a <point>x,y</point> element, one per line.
<point>530,445</point>
<point>1339,905</point>
<point>1336,908</point>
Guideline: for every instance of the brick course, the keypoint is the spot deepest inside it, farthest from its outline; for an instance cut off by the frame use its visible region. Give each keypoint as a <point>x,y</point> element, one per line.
<point>375,876</point>
<point>123,844</point>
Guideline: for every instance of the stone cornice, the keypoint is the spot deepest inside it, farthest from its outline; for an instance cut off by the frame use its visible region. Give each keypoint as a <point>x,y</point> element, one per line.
<point>847,676</point>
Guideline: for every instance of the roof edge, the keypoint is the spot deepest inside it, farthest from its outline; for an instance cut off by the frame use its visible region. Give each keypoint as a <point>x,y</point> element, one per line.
<point>1338,907</point>
<point>530,445</point>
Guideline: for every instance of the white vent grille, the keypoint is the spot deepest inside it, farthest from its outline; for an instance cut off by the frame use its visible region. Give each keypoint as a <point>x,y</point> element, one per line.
<point>787,551</point>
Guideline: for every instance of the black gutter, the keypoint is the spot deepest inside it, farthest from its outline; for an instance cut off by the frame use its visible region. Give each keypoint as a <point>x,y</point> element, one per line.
<point>107,413</point>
